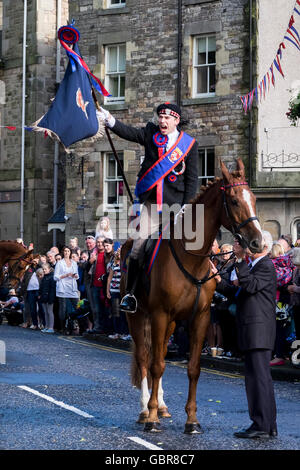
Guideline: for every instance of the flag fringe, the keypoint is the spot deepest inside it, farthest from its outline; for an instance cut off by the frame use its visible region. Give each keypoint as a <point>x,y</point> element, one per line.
<point>99,134</point>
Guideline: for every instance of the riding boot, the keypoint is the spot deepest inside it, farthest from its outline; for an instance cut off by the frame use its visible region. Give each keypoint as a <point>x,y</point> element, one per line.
<point>129,303</point>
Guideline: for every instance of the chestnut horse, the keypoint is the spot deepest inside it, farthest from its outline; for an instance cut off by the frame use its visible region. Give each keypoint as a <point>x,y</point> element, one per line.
<point>18,259</point>
<point>181,288</point>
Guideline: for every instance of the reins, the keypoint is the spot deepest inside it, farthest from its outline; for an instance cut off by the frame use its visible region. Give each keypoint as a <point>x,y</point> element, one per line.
<point>235,229</point>
<point>196,282</point>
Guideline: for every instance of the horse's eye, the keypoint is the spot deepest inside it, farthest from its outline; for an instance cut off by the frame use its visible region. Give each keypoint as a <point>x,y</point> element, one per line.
<point>234,202</point>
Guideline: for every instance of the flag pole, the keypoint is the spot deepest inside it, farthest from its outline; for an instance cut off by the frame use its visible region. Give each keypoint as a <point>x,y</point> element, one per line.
<point>114,150</point>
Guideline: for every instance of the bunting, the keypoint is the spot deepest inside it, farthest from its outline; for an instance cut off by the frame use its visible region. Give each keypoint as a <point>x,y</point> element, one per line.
<point>263,86</point>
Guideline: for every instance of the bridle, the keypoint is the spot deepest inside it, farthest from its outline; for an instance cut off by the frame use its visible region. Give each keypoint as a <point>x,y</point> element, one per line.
<point>235,229</point>
<point>11,269</point>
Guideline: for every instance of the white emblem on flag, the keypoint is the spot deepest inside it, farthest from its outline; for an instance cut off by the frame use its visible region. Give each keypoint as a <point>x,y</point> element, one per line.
<point>80,102</point>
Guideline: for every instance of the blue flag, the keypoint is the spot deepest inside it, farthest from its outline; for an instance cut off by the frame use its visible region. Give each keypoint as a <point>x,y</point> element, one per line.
<point>72,115</point>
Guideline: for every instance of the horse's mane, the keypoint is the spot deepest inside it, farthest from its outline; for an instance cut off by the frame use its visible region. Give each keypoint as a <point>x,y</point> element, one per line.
<point>210,184</point>
<point>203,190</point>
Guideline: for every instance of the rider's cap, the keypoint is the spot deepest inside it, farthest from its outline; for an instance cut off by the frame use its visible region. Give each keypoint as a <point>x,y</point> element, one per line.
<point>170,109</point>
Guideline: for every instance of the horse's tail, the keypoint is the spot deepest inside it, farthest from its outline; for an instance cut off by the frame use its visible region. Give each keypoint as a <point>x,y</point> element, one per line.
<point>136,377</point>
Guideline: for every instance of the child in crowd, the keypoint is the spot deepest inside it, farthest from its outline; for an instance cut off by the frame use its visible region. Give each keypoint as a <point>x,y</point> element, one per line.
<point>113,293</point>
<point>47,297</point>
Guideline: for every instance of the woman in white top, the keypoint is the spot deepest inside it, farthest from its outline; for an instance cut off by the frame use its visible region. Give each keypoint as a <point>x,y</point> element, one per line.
<point>66,275</point>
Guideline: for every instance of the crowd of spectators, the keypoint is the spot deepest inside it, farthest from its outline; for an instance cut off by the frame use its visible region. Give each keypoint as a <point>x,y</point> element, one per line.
<point>222,337</point>
<point>54,286</point>
<point>58,281</point>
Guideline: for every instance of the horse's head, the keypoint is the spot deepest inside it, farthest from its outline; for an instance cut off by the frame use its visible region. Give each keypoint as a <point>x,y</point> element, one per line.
<point>239,214</point>
<point>19,266</point>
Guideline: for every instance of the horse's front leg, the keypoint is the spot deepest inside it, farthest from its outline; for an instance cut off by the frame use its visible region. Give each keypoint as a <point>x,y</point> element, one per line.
<point>163,411</point>
<point>140,360</point>
<point>158,333</point>
<point>144,399</point>
<point>197,336</point>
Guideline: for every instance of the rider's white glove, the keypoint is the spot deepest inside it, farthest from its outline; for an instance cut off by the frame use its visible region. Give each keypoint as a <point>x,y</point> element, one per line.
<point>180,213</point>
<point>106,117</point>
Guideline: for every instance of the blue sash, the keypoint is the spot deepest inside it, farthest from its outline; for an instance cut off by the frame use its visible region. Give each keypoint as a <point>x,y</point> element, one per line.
<point>155,175</point>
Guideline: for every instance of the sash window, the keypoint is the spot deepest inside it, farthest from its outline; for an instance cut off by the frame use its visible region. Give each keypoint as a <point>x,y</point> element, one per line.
<point>116,3</point>
<point>206,166</point>
<point>113,181</point>
<point>115,66</point>
<point>204,66</point>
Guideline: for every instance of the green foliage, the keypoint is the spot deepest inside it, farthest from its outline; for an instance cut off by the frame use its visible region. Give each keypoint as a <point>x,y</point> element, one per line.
<point>293,113</point>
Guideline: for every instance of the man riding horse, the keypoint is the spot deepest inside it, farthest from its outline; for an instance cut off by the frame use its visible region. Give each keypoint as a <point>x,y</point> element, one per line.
<point>168,175</point>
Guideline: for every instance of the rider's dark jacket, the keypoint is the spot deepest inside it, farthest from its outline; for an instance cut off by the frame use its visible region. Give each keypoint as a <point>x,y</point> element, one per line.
<point>180,191</point>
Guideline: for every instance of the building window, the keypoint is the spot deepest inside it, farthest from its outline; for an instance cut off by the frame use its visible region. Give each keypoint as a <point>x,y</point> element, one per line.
<point>204,66</point>
<point>115,62</point>
<point>116,3</point>
<point>206,166</point>
<point>298,231</point>
<point>113,181</point>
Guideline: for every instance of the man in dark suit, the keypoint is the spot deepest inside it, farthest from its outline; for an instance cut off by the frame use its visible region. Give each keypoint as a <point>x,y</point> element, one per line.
<point>168,175</point>
<point>256,325</point>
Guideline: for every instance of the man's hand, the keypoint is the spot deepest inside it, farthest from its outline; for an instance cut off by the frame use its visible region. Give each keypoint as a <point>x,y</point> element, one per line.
<point>214,271</point>
<point>93,258</point>
<point>106,117</point>
<point>291,288</point>
<point>239,251</point>
<point>103,114</point>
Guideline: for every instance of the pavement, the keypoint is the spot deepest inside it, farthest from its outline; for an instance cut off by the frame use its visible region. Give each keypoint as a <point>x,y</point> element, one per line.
<point>287,372</point>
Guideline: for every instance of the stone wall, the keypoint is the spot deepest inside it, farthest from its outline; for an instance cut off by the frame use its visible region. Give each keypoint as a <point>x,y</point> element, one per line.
<point>40,88</point>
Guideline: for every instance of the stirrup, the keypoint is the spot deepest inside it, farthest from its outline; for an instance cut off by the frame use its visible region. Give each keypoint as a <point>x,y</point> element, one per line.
<point>128,303</point>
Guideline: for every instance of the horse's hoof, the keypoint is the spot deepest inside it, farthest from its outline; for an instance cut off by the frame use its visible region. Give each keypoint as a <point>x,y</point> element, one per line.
<point>193,428</point>
<point>152,427</point>
<point>143,417</point>
<point>164,413</point>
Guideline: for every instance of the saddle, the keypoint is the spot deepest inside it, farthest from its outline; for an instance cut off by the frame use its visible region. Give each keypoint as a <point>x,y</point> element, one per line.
<point>147,256</point>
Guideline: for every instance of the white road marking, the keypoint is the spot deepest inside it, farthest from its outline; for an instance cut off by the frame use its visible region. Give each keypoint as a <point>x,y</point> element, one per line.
<point>58,403</point>
<point>146,444</point>
<point>150,446</point>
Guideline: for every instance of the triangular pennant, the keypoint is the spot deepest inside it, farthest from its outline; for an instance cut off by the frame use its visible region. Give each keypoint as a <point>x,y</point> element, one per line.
<point>276,62</point>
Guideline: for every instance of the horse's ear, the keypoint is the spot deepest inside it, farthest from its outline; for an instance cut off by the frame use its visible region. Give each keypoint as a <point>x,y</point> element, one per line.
<point>225,172</point>
<point>240,167</point>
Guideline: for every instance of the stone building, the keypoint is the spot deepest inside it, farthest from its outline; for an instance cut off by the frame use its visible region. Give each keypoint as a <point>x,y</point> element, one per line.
<point>38,159</point>
<point>202,54</point>
<point>192,52</point>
